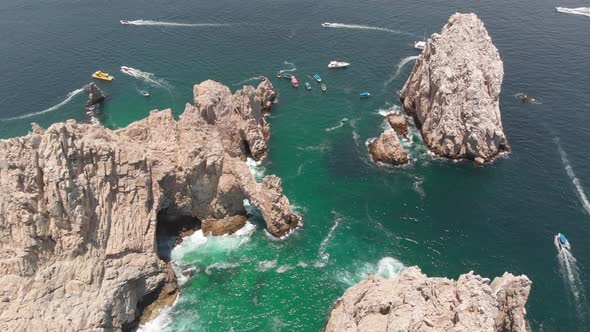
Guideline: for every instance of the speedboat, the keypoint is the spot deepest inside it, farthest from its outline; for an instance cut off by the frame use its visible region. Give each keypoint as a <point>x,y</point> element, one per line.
<point>317,77</point>
<point>324,88</point>
<point>344,120</point>
<point>99,75</point>
<point>144,93</point>
<point>294,82</point>
<point>279,74</point>
<point>326,25</point>
<point>307,86</point>
<point>365,94</point>
<point>562,242</point>
<point>124,22</point>
<point>420,45</point>
<point>338,64</point>
<point>287,75</point>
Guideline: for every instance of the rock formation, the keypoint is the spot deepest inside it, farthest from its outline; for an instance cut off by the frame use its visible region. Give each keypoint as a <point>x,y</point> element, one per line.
<point>80,206</point>
<point>95,96</point>
<point>454,89</point>
<point>388,149</point>
<point>414,302</point>
<point>398,123</point>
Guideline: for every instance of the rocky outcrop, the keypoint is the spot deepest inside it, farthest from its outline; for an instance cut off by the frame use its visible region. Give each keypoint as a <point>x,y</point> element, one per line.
<point>454,89</point>
<point>414,302</point>
<point>388,149</point>
<point>398,123</point>
<point>95,96</point>
<point>227,225</point>
<point>80,206</point>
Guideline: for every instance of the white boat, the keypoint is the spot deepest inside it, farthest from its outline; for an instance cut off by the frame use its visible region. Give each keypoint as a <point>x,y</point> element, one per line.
<point>420,45</point>
<point>338,64</point>
<point>326,25</point>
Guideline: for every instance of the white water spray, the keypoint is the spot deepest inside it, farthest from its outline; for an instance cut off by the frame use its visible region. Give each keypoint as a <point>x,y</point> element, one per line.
<point>568,268</point>
<point>322,252</point>
<point>69,98</point>
<point>400,66</point>
<point>149,78</point>
<point>570,172</point>
<point>293,67</point>
<point>171,24</point>
<point>576,11</point>
<point>362,27</point>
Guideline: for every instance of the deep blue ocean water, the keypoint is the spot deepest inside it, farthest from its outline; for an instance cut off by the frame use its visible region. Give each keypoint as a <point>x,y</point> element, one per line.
<point>448,218</point>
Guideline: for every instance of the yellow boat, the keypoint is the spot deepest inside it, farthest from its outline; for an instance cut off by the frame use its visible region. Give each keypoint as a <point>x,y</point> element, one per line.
<point>99,75</point>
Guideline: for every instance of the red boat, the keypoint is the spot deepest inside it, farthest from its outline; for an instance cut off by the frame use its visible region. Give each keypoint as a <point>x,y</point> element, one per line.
<point>294,82</point>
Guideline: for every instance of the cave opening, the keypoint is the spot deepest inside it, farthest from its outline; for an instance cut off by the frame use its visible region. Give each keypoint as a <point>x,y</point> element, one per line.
<point>170,229</point>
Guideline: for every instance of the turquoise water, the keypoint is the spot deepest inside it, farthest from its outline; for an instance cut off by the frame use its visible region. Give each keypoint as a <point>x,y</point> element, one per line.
<point>448,218</point>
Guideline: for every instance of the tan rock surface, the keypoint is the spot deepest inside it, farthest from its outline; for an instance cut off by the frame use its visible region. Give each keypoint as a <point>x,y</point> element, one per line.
<point>413,302</point>
<point>398,123</point>
<point>388,149</point>
<point>79,206</point>
<point>454,89</point>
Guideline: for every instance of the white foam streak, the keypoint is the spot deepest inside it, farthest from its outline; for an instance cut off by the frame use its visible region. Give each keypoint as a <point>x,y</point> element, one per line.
<point>171,24</point>
<point>255,78</point>
<point>264,266</point>
<point>255,168</point>
<point>293,68</point>
<point>362,27</point>
<point>570,172</point>
<point>387,267</point>
<point>149,78</point>
<point>577,11</point>
<point>322,252</point>
<point>69,98</point>
<point>220,266</point>
<point>400,66</point>
<point>160,322</point>
<point>568,269</point>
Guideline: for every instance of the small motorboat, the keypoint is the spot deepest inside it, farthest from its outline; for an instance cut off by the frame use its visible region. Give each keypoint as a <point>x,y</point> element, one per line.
<point>294,82</point>
<point>343,120</point>
<point>307,86</point>
<point>99,75</point>
<point>326,25</point>
<point>279,74</point>
<point>365,94</point>
<point>144,93</point>
<point>338,64</point>
<point>562,242</point>
<point>288,75</point>
<point>420,45</point>
<point>317,77</point>
<point>324,88</point>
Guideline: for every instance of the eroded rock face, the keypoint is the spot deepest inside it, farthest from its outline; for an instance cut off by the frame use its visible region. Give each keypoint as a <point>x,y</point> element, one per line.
<point>414,302</point>
<point>398,123</point>
<point>227,225</point>
<point>79,206</point>
<point>388,149</point>
<point>454,89</point>
<point>95,96</point>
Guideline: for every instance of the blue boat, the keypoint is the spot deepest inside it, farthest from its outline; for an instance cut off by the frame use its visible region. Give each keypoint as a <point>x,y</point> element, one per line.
<point>317,77</point>
<point>365,94</point>
<point>307,86</point>
<point>562,242</point>
<point>287,75</point>
<point>344,120</point>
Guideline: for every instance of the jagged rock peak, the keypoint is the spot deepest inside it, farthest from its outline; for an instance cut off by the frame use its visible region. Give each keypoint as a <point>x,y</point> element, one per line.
<point>413,302</point>
<point>454,89</point>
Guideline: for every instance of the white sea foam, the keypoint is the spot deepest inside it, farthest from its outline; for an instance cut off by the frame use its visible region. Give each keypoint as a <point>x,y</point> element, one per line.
<point>363,27</point>
<point>69,98</point>
<point>171,24</point>
<point>293,67</point>
<point>390,110</point>
<point>149,78</point>
<point>568,268</point>
<point>302,264</point>
<point>577,11</point>
<point>387,267</point>
<point>161,322</point>
<point>570,172</point>
<point>400,66</point>
<point>255,78</point>
<point>323,254</point>
<point>220,266</point>
<point>264,266</point>
<point>255,168</point>
<point>284,268</point>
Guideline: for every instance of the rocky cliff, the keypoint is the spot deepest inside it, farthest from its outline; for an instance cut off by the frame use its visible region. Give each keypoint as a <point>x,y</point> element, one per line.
<point>414,302</point>
<point>80,206</point>
<point>454,89</point>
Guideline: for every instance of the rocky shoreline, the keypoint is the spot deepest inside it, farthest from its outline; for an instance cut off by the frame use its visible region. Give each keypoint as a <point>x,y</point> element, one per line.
<point>81,206</point>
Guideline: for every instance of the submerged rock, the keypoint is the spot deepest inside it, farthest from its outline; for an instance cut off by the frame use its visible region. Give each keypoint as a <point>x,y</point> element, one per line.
<point>388,149</point>
<point>79,207</point>
<point>454,89</point>
<point>415,302</point>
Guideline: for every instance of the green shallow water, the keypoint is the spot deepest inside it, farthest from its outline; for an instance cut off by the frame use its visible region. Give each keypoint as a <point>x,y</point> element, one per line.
<point>448,218</point>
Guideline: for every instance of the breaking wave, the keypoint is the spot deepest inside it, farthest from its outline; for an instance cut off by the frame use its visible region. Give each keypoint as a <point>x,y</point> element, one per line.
<point>363,27</point>
<point>570,172</point>
<point>577,11</point>
<point>171,24</point>
<point>69,98</point>
<point>160,322</point>
<point>387,267</point>
<point>149,78</point>
<point>390,110</point>
<point>400,66</point>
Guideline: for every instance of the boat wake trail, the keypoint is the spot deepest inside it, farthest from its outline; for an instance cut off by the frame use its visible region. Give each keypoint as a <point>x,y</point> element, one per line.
<point>293,68</point>
<point>577,11</point>
<point>69,98</point>
<point>400,66</point>
<point>172,24</point>
<point>322,252</point>
<point>255,78</point>
<point>363,27</point>
<point>568,268</point>
<point>570,172</point>
<point>145,76</point>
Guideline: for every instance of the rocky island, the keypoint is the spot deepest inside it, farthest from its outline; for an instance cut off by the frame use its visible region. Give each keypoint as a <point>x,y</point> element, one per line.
<point>414,302</point>
<point>81,206</point>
